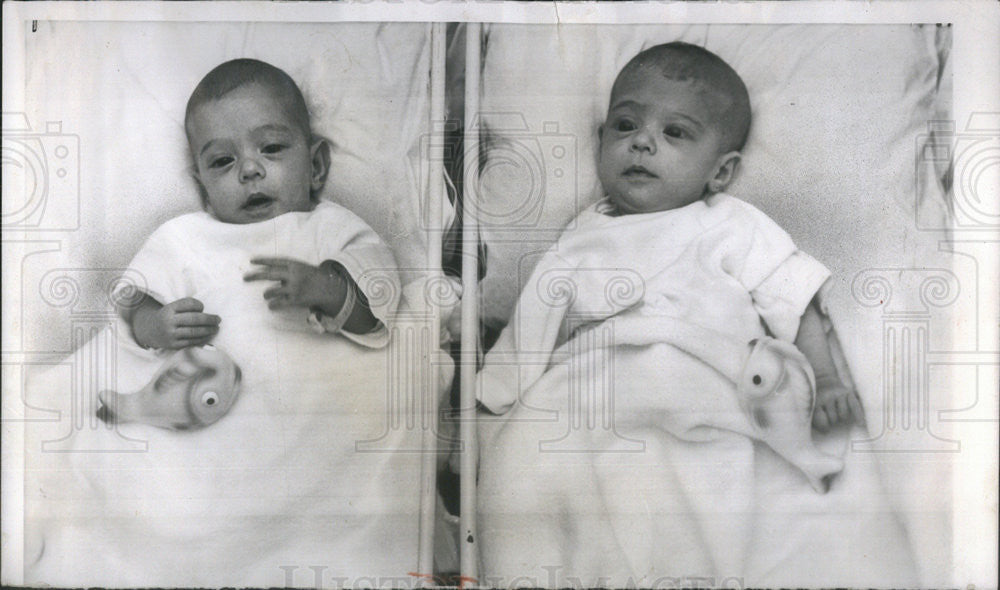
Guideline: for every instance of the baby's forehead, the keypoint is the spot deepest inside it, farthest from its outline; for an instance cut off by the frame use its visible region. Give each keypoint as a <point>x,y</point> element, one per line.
<point>266,101</point>
<point>261,97</point>
<point>693,96</point>
<point>689,77</point>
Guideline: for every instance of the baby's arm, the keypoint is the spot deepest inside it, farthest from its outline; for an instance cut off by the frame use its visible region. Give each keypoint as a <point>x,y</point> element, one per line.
<point>835,403</point>
<point>326,288</point>
<point>176,325</point>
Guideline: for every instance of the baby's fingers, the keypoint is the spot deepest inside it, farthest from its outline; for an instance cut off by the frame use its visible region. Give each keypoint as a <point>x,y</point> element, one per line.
<point>198,319</point>
<point>188,304</point>
<point>195,332</point>
<point>279,302</point>
<point>188,342</point>
<point>269,261</point>
<point>820,420</point>
<point>275,269</point>
<point>266,274</point>
<point>275,291</point>
<point>843,409</point>
<point>856,409</point>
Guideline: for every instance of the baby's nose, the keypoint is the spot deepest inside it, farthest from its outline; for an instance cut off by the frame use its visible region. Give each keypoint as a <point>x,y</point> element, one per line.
<point>643,141</point>
<point>250,169</point>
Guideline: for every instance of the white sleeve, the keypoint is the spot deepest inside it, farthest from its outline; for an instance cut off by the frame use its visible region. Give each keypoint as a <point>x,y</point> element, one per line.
<point>762,247</point>
<point>344,238</point>
<point>524,349</point>
<point>782,297</point>
<point>158,270</point>
<point>780,278</point>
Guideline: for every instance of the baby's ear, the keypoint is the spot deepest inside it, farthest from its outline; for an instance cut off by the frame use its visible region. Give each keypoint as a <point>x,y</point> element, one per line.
<point>600,145</point>
<point>319,152</point>
<point>725,171</point>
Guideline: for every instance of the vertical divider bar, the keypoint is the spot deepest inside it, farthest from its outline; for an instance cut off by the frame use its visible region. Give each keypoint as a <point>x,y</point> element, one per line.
<point>435,207</point>
<point>468,541</point>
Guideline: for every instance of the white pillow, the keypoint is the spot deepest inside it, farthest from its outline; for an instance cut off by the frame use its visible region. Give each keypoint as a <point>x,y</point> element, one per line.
<point>838,112</point>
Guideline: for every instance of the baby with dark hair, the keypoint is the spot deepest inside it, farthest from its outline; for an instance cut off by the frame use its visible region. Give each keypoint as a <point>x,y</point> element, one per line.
<point>239,73</point>
<point>671,144</point>
<point>678,118</point>
<point>666,363</point>
<point>301,295</point>
<point>678,106</point>
<point>259,170</point>
<point>657,360</point>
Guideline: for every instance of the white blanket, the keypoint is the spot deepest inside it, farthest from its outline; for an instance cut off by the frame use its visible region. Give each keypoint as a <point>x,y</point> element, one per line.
<point>585,484</point>
<point>623,459</point>
<point>304,472</point>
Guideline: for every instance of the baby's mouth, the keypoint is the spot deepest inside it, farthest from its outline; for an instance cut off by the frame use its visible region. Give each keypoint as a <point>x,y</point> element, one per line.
<point>638,172</point>
<point>257,201</point>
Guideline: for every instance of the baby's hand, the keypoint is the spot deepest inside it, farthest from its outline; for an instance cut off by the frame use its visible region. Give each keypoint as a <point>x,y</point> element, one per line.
<point>836,404</point>
<point>299,284</point>
<point>176,325</point>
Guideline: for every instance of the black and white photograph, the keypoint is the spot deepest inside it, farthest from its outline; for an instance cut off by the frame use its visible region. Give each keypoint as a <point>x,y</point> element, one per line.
<point>501,294</point>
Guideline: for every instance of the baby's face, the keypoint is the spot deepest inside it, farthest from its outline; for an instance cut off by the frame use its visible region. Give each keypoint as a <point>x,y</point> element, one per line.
<point>251,158</point>
<point>659,146</point>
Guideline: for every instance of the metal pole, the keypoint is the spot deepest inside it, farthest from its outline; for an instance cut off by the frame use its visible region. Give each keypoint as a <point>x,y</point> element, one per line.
<point>435,206</point>
<point>468,554</point>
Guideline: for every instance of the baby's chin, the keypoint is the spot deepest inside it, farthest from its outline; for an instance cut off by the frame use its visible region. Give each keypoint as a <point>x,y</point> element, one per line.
<point>263,212</point>
<point>630,206</point>
<point>626,204</point>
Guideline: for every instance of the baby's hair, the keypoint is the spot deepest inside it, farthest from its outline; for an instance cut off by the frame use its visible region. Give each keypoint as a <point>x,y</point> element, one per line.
<point>687,62</point>
<point>238,73</point>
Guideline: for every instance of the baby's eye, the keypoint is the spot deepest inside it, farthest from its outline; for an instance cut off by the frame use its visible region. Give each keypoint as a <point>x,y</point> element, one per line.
<point>624,125</point>
<point>220,162</point>
<point>273,148</point>
<point>675,132</point>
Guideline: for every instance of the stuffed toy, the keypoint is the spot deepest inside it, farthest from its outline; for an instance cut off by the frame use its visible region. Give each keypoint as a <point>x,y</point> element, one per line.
<point>194,388</point>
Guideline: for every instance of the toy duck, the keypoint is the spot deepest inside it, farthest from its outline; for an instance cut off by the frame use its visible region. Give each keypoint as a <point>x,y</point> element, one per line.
<point>775,386</point>
<point>194,388</point>
<point>776,389</point>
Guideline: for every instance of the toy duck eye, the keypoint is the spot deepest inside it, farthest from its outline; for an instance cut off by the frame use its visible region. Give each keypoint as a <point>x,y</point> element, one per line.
<point>764,371</point>
<point>209,398</point>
